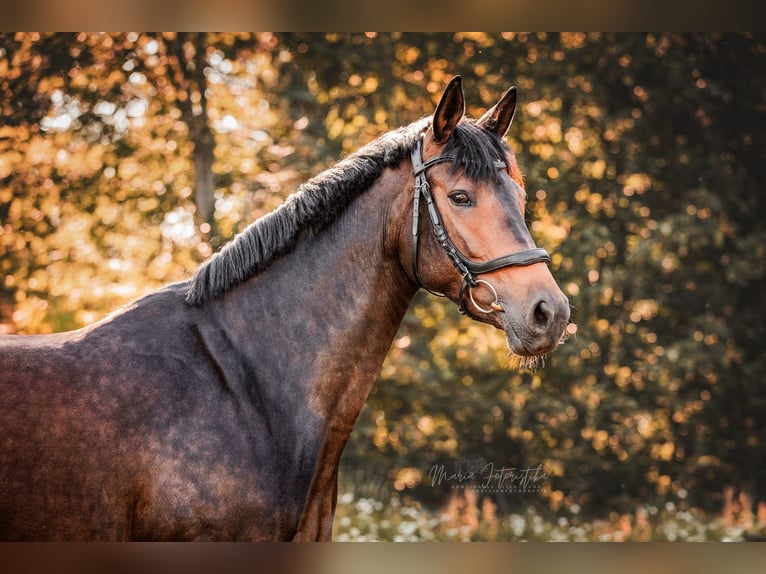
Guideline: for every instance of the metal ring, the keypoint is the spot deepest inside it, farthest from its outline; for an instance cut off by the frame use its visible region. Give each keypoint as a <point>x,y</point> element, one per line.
<point>494,306</point>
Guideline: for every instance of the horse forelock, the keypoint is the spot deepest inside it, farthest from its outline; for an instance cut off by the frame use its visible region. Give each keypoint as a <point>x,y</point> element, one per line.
<point>476,150</point>
<point>318,202</point>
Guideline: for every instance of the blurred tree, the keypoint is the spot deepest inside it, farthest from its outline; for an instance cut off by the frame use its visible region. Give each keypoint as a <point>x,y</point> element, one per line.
<point>627,141</point>
<point>98,171</point>
<point>642,162</point>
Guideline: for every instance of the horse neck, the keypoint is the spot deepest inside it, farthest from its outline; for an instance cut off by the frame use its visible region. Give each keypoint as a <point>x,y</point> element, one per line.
<point>326,313</point>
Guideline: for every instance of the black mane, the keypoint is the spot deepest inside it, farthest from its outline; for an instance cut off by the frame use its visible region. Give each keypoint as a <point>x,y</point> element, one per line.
<point>319,201</point>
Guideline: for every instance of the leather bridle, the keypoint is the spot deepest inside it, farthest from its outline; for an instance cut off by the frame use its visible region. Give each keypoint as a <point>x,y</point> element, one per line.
<point>468,269</point>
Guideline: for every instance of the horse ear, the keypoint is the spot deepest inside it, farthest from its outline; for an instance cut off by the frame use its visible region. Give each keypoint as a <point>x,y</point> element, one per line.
<point>449,111</point>
<point>498,118</point>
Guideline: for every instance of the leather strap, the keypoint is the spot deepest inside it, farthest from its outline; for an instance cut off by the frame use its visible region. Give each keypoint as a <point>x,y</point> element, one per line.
<point>468,269</point>
<point>520,259</point>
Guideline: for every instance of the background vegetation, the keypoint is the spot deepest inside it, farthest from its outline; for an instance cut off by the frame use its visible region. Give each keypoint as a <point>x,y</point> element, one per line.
<point>126,159</point>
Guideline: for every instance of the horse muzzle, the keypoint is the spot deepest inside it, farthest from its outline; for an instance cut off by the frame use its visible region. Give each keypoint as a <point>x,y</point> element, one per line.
<point>537,328</point>
<point>534,325</point>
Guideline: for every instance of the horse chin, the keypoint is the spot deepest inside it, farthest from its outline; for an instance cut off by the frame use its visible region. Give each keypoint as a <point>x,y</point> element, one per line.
<point>519,355</point>
<point>520,358</point>
<point>525,363</point>
<point>524,355</point>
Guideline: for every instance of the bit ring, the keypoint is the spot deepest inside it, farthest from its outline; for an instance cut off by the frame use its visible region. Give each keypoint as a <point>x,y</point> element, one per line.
<point>494,306</point>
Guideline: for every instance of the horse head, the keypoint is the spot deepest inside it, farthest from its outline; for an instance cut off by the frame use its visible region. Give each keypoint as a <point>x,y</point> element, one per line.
<point>469,191</point>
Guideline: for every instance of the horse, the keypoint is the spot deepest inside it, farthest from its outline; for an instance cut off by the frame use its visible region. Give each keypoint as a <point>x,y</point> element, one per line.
<point>217,408</point>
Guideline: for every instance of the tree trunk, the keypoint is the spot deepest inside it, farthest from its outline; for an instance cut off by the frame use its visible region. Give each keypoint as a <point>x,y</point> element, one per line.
<point>190,49</point>
<point>204,145</point>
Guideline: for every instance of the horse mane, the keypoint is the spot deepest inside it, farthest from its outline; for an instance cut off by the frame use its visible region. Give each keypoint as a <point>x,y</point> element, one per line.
<point>319,202</point>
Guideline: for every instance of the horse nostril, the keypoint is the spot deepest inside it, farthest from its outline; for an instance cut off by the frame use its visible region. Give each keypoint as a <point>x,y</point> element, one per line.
<point>542,313</point>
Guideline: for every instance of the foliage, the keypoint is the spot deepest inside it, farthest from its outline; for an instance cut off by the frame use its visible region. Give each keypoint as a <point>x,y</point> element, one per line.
<point>642,158</point>
<point>472,518</point>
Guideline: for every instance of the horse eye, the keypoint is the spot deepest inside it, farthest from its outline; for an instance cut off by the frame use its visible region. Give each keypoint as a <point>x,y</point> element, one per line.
<point>460,198</point>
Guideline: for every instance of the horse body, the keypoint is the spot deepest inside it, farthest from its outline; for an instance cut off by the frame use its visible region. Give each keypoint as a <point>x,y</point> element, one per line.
<point>116,434</point>
<point>224,421</point>
<point>218,408</point>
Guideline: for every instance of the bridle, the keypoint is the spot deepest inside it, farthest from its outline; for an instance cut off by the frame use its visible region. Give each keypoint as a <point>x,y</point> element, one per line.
<point>468,269</point>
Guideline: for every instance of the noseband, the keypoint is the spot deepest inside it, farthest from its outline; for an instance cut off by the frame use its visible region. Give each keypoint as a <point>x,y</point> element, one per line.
<point>468,269</point>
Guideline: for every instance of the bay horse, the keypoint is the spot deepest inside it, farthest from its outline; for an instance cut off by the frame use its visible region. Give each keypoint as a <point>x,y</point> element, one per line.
<point>217,408</point>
